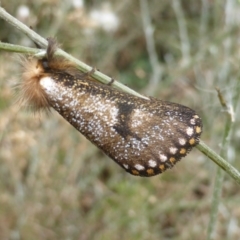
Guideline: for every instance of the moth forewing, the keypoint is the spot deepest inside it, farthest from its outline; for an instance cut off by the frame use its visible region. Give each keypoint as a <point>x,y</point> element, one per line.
<point>145,137</point>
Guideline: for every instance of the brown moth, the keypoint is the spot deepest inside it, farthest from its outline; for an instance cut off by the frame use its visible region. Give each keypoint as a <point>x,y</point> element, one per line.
<point>145,137</point>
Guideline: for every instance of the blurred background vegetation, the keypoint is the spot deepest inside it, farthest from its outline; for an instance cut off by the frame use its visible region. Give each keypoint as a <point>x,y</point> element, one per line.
<point>54,184</point>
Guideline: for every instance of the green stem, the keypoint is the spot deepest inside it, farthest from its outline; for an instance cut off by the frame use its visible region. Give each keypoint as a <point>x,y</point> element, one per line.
<point>44,43</point>
<point>222,163</point>
<point>217,191</point>
<point>18,49</point>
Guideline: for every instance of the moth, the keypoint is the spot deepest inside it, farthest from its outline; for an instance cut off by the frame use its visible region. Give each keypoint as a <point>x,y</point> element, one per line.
<point>144,136</point>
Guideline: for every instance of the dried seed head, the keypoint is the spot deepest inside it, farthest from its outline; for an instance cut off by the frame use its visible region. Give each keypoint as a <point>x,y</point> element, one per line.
<point>145,137</point>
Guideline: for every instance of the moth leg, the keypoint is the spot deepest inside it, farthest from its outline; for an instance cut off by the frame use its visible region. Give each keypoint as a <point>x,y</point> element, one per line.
<point>111,82</point>
<point>89,73</point>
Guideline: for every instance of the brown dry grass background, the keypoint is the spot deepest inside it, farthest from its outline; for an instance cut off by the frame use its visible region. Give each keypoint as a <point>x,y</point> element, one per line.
<point>55,185</point>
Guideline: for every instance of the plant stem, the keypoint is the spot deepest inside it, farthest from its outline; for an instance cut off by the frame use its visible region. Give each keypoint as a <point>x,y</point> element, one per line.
<point>221,162</point>
<point>183,33</point>
<point>219,181</point>
<point>18,49</point>
<point>151,48</point>
<point>82,66</point>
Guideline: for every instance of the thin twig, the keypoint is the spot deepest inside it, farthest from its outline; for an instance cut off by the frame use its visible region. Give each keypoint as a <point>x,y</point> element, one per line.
<point>18,49</point>
<point>217,191</point>
<point>219,178</point>
<point>42,42</point>
<point>183,33</point>
<point>222,163</point>
<point>152,52</point>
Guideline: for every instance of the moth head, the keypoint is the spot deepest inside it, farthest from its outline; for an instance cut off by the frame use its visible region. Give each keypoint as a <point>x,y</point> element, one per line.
<point>31,94</point>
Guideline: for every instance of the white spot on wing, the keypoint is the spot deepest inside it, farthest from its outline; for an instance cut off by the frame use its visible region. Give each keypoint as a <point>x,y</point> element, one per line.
<point>139,167</point>
<point>125,166</point>
<point>173,150</point>
<point>162,157</point>
<point>193,121</point>
<point>189,131</point>
<point>152,163</point>
<point>182,141</point>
